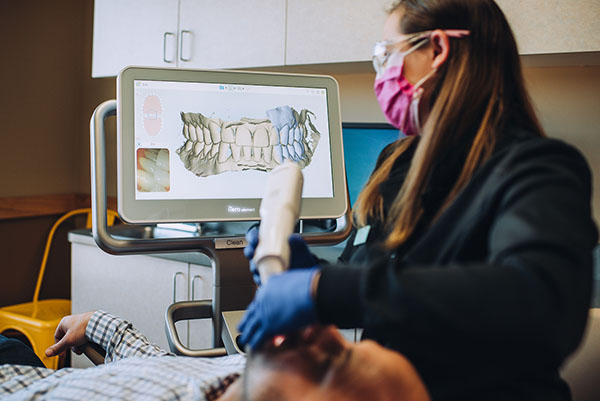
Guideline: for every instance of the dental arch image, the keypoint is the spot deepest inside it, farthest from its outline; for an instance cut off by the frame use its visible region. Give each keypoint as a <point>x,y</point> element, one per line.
<point>213,146</point>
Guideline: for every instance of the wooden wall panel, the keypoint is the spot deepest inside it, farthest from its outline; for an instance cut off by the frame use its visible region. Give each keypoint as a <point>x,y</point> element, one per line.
<point>22,242</point>
<point>44,205</point>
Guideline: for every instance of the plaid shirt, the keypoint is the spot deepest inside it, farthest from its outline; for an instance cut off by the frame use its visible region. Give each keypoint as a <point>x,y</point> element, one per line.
<point>134,369</point>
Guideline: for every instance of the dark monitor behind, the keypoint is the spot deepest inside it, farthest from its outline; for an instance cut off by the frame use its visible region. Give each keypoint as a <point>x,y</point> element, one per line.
<point>362,144</point>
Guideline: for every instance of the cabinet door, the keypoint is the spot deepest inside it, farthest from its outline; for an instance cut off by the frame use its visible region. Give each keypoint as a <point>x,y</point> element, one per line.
<point>136,288</point>
<point>134,32</point>
<point>328,31</point>
<point>201,282</point>
<point>557,26</point>
<point>231,33</point>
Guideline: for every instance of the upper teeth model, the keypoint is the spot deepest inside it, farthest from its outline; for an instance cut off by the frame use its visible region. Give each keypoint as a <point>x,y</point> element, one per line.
<point>214,146</point>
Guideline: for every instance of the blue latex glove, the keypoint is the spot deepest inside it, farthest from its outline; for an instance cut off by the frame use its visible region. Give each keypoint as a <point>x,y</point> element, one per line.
<point>300,256</point>
<point>283,305</point>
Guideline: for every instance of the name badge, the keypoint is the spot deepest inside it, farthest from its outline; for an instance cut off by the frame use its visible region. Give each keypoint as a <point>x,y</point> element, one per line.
<point>362,235</point>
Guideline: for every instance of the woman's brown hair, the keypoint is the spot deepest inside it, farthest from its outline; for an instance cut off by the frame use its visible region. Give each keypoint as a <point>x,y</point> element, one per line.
<point>476,92</point>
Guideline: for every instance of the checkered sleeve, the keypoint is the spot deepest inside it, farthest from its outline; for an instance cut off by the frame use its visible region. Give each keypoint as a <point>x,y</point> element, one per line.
<point>119,338</point>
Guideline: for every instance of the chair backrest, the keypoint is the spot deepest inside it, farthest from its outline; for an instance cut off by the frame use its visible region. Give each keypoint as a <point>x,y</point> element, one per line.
<point>582,369</point>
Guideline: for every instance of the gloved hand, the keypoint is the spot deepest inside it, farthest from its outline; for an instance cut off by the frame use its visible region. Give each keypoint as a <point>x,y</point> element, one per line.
<point>300,256</point>
<point>283,305</point>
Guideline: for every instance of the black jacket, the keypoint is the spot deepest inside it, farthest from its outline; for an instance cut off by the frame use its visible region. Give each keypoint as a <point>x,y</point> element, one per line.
<point>488,300</point>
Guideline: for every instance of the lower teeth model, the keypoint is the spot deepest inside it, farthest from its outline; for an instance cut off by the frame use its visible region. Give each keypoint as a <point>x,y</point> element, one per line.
<point>215,146</point>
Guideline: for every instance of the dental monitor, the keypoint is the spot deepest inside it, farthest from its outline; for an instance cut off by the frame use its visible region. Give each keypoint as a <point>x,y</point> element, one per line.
<point>197,146</point>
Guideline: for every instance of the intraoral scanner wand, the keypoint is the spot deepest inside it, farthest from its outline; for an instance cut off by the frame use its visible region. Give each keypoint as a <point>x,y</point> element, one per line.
<point>279,211</point>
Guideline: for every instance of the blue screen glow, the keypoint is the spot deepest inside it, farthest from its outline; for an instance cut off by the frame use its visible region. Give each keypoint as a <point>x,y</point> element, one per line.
<point>362,144</point>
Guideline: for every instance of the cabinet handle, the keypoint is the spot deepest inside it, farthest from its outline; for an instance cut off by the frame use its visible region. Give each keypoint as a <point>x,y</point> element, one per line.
<point>183,33</point>
<point>194,287</point>
<point>175,285</point>
<point>165,47</point>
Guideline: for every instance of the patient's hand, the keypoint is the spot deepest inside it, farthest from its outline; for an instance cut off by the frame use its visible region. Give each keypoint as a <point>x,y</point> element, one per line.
<point>70,333</point>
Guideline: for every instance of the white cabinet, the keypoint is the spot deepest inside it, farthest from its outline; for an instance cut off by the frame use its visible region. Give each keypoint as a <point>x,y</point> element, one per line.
<point>187,34</point>
<point>134,32</point>
<point>139,289</point>
<point>328,31</point>
<point>557,26</point>
<point>231,33</point>
<point>200,331</point>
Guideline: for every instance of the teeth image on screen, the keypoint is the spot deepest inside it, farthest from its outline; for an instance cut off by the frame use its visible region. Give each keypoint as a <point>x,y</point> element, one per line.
<point>153,173</point>
<point>213,146</point>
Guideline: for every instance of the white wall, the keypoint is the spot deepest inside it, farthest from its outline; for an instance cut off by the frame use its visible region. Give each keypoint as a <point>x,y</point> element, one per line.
<point>568,104</point>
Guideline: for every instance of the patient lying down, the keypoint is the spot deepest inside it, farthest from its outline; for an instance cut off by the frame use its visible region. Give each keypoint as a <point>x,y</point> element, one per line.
<point>316,364</point>
<point>319,364</point>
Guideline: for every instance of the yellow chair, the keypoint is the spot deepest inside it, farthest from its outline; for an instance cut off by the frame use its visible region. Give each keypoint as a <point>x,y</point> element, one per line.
<point>37,320</point>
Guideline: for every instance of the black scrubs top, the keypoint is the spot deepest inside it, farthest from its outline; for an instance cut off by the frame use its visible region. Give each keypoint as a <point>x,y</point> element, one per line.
<point>488,300</point>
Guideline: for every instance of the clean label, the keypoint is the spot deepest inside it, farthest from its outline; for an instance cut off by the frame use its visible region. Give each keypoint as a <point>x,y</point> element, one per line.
<point>226,243</point>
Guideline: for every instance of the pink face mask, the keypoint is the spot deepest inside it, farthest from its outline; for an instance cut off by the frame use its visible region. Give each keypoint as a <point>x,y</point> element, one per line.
<point>398,98</point>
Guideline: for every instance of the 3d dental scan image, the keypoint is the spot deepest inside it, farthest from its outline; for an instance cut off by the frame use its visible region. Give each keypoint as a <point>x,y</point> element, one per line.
<point>213,146</point>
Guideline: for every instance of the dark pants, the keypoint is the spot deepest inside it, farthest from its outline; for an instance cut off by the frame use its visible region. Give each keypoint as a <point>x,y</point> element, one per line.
<point>14,352</point>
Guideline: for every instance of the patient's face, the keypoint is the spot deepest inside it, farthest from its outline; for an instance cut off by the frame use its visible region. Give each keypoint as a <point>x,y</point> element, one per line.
<point>320,365</point>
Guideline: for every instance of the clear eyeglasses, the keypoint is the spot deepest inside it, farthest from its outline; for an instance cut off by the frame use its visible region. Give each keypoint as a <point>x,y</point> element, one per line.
<point>384,49</point>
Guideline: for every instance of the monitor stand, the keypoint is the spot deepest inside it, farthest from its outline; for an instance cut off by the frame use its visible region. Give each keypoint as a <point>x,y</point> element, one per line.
<point>233,288</point>
<point>230,333</point>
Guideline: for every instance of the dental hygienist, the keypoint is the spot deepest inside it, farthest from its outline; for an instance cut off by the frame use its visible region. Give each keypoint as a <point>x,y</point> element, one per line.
<point>472,248</point>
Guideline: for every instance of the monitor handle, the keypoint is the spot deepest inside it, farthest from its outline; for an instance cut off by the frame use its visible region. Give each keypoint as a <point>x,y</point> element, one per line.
<point>103,238</point>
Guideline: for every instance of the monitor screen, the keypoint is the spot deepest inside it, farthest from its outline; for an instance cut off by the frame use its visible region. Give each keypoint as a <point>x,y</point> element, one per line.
<point>225,129</point>
<point>198,147</point>
<point>362,144</point>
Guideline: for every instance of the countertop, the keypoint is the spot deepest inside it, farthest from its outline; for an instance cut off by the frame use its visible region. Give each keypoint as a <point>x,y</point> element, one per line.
<point>329,253</point>
<point>84,236</point>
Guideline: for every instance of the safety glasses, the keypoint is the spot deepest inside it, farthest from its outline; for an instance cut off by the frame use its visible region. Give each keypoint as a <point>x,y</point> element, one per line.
<point>384,49</point>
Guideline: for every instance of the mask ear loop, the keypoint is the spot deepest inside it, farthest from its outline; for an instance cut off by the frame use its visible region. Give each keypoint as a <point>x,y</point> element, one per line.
<point>416,99</point>
<point>453,33</point>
